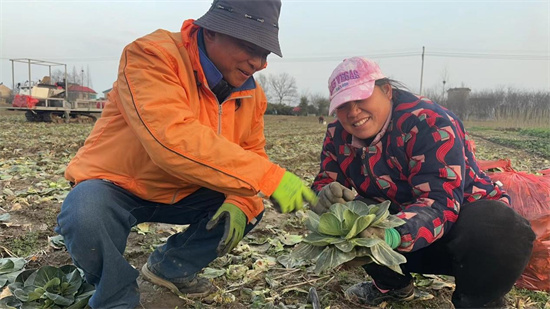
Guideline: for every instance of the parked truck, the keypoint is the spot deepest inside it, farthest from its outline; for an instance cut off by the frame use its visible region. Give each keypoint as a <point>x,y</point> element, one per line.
<point>47,100</point>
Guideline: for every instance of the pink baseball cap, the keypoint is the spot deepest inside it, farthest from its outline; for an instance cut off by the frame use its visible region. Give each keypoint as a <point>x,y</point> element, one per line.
<point>352,80</point>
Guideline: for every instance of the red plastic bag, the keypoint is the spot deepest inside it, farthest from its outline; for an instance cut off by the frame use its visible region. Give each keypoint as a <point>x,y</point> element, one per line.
<point>530,193</point>
<point>488,165</point>
<point>530,196</point>
<point>536,275</point>
<point>21,100</point>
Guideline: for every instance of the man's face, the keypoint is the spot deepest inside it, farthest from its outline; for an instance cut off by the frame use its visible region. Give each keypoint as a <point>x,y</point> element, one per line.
<point>236,59</point>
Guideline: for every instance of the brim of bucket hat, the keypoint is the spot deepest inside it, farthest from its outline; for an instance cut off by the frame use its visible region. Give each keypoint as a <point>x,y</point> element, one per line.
<point>263,35</point>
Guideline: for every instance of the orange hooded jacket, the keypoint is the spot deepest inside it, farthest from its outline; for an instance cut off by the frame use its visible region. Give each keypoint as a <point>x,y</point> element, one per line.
<point>163,134</point>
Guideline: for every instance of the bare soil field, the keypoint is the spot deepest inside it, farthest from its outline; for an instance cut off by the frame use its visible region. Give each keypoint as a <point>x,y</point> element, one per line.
<point>32,161</point>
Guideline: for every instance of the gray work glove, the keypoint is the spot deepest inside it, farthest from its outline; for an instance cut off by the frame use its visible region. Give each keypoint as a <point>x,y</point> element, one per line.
<point>331,194</point>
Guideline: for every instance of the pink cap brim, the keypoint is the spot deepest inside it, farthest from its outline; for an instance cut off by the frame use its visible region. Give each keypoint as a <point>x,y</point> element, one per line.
<point>357,92</point>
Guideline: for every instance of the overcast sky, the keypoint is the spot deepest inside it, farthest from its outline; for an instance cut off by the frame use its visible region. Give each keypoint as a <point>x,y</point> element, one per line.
<point>476,44</point>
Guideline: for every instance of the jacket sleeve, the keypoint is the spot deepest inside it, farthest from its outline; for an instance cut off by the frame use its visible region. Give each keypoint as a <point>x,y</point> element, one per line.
<point>329,168</point>
<point>435,152</point>
<point>154,101</point>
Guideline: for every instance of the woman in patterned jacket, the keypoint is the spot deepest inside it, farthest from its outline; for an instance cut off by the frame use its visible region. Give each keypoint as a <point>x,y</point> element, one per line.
<point>389,144</point>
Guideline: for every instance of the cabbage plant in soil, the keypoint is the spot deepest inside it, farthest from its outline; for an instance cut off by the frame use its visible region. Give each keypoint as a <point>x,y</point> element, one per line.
<point>333,237</point>
<point>9,269</point>
<point>49,287</point>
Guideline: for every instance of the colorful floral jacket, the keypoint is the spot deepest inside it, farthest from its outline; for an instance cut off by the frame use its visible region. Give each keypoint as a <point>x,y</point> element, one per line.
<point>423,163</point>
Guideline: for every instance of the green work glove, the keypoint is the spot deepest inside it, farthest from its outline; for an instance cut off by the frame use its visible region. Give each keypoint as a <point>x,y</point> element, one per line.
<point>332,193</point>
<point>235,222</point>
<point>291,194</point>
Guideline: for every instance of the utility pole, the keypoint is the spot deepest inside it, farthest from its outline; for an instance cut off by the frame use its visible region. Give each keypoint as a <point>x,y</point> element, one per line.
<point>422,71</point>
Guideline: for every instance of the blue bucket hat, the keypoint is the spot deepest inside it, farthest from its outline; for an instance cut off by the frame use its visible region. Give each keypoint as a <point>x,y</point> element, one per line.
<point>254,21</point>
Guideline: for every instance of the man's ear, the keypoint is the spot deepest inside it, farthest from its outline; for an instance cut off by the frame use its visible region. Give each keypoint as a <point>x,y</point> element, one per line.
<point>209,35</point>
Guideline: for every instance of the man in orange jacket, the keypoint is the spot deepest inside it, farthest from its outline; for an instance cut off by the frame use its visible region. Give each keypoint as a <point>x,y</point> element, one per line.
<point>180,141</point>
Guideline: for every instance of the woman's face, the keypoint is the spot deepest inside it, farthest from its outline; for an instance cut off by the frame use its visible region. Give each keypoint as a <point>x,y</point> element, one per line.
<point>365,118</point>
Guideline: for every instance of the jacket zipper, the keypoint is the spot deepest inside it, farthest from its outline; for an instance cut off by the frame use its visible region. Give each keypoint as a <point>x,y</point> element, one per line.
<point>175,196</point>
<point>366,162</point>
<point>220,109</point>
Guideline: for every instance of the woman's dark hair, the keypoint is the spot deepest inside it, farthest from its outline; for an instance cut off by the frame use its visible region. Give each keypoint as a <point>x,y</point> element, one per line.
<point>392,82</point>
<point>395,85</point>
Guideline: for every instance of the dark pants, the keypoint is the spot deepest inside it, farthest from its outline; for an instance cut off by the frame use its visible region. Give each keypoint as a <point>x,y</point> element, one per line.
<point>96,219</point>
<point>486,251</point>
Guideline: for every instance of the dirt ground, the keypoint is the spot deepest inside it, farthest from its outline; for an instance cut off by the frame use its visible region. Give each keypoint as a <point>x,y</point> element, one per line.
<point>31,162</point>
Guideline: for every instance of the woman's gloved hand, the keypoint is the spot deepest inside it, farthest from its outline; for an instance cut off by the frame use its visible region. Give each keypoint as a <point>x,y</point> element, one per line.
<point>373,232</point>
<point>391,236</point>
<point>332,193</point>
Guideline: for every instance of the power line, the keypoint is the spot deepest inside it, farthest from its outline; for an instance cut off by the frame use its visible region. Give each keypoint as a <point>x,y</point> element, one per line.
<point>489,56</point>
<point>378,55</point>
<point>432,53</point>
<point>106,58</point>
<point>340,58</point>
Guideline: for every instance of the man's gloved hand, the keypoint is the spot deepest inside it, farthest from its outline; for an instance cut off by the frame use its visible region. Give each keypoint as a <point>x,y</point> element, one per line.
<point>332,193</point>
<point>235,222</point>
<point>291,194</point>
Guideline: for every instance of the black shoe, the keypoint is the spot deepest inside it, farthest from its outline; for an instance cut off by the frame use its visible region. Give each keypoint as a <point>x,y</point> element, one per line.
<point>465,301</point>
<point>497,303</point>
<point>195,287</point>
<point>367,293</point>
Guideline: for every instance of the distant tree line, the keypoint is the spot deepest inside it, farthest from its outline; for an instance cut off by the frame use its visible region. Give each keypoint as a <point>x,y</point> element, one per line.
<point>74,76</point>
<point>282,95</point>
<point>511,105</point>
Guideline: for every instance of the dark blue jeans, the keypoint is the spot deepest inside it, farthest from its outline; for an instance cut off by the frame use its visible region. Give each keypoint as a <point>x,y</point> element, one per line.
<point>486,251</point>
<point>96,218</point>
